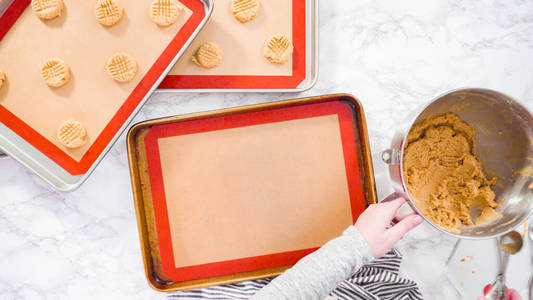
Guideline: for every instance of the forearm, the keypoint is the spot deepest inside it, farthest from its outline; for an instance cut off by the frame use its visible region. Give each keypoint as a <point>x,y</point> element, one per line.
<point>317,274</point>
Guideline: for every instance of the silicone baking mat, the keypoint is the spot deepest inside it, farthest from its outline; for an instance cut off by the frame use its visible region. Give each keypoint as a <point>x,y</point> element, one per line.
<point>254,190</point>
<point>243,65</point>
<point>34,111</point>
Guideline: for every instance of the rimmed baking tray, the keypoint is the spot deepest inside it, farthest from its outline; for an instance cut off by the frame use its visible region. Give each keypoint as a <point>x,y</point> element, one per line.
<point>30,112</point>
<point>295,173</point>
<point>243,67</point>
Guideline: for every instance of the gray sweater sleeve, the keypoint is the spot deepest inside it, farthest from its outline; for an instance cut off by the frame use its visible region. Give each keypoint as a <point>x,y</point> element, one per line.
<point>319,273</point>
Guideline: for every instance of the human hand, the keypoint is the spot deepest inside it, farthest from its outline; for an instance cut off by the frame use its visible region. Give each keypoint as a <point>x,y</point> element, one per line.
<point>374,224</point>
<point>511,294</point>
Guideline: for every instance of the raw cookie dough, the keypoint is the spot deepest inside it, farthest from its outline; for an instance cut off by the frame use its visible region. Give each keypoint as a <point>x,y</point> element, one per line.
<point>444,175</point>
<point>244,10</point>
<point>2,78</point>
<point>208,55</point>
<point>121,67</point>
<point>72,134</point>
<point>55,72</point>
<point>278,49</point>
<point>165,12</point>
<point>47,9</point>
<point>108,12</point>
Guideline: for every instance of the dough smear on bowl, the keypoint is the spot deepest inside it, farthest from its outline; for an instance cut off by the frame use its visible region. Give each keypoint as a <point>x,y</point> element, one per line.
<point>444,175</point>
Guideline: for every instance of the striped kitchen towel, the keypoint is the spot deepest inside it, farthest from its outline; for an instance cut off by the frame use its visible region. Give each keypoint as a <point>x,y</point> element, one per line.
<point>376,280</point>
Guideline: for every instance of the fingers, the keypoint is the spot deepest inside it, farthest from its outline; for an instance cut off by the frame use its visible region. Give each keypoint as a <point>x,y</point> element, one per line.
<point>392,206</point>
<point>397,231</point>
<point>399,219</point>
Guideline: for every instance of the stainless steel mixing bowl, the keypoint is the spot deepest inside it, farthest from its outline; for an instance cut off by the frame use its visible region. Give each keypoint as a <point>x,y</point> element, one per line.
<point>504,142</point>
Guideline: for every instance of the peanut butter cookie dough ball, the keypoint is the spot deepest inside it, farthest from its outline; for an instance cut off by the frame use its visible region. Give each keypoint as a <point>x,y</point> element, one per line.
<point>244,10</point>
<point>122,67</point>
<point>165,12</point>
<point>72,134</point>
<point>47,9</point>
<point>208,55</point>
<point>55,72</point>
<point>278,49</point>
<point>108,12</point>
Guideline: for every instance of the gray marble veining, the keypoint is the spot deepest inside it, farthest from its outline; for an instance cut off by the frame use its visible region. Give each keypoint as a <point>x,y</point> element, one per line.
<point>392,55</point>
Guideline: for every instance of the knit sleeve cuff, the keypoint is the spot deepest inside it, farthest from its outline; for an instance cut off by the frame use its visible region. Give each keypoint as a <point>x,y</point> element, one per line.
<point>359,244</point>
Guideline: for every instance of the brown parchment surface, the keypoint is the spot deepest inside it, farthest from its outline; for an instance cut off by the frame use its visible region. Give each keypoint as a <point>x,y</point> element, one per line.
<point>256,190</point>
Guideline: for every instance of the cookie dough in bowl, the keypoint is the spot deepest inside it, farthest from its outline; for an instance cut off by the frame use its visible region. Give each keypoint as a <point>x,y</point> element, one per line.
<point>444,175</point>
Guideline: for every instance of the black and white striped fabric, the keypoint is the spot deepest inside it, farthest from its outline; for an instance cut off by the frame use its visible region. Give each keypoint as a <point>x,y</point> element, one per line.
<point>376,280</point>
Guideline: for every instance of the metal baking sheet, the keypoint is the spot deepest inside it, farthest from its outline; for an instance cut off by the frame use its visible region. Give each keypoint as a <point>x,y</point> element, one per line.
<point>30,138</point>
<point>266,118</point>
<point>243,43</point>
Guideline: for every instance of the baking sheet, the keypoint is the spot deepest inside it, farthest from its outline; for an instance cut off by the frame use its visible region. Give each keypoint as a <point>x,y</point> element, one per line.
<point>243,65</point>
<point>288,176</point>
<point>242,43</point>
<point>91,96</point>
<point>148,205</point>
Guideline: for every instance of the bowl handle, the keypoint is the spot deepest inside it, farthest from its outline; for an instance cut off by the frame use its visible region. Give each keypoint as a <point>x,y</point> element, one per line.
<point>391,156</point>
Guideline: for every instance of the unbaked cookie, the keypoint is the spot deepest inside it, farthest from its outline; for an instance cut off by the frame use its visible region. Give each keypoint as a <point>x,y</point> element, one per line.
<point>72,134</point>
<point>108,12</point>
<point>208,55</point>
<point>122,67</point>
<point>165,12</point>
<point>244,10</point>
<point>55,72</point>
<point>278,49</point>
<point>47,9</point>
<point>2,78</point>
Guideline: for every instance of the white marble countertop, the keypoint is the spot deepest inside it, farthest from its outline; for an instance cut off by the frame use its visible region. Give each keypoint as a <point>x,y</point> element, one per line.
<point>393,55</point>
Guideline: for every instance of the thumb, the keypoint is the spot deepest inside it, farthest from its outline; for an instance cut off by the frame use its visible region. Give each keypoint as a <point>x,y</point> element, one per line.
<point>397,231</point>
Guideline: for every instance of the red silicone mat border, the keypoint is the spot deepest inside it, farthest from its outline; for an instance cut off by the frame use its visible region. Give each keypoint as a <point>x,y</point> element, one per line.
<point>55,153</point>
<point>346,124</point>
<point>253,82</point>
